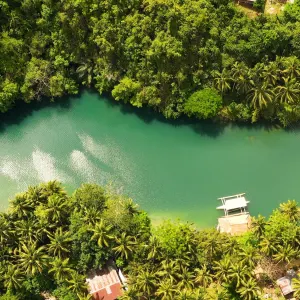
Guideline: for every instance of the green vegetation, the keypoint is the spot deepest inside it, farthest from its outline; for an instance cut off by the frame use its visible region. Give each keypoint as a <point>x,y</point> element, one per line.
<point>49,241</point>
<point>159,53</point>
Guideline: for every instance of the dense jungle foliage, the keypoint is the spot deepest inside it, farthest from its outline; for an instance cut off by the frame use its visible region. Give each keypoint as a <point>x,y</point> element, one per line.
<point>201,58</point>
<point>49,241</point>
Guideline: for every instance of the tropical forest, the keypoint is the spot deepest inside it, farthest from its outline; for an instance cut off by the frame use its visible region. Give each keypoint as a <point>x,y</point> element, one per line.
<point>121,121</point>
<point>50,240</point>
<point>200,58</point>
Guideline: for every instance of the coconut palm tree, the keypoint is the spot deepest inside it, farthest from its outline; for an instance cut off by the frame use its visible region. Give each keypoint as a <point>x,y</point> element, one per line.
<point>32,259</point>
<point>13,277</point>
<point>102,233</point>
<point>258,226</point>
<point>289,92</point>
<point>186,279</point>
<point>222,81</point>
<point>125,245</point>
<point>5,228</point>
<point>291,67</point>
<point>248,256</point>
<point>260,96</point>
<point>290,209</point>
<point>77,283</point>
<point>239,272</point>
<point>166,289</point>
<point>241,77</point>
<point>20,207</point>
<point>28,230</point>
<point>267,246</point>
<point>249,290</point>
<point>153,247</point>
<point>56,208</point>
<point>52,188</point>
<point>296,287</point>
<point>145,282</point>
<point>85,72</point>
<point>284,253</point>
<point>168,268</point>
<point>61,269</point>
<point>34,195</point>
<point>222,269</point>
<point>203,276</point>
<point>270,73</point>
<point>59,242</point>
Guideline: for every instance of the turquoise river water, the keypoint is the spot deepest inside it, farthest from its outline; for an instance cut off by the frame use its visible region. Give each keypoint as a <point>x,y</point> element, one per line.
<point>171,169</point>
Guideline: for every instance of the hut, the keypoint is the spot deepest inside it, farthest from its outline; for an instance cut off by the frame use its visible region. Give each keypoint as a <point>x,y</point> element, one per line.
<point>106,284</point>
<point>236,219</point>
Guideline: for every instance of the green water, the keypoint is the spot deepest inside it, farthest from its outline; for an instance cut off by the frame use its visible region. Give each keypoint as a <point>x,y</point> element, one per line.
<point>173,170</point>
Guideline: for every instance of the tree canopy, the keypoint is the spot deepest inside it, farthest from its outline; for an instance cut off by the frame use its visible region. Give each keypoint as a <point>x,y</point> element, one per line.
<point>50,241</point>
<point>154,53</point>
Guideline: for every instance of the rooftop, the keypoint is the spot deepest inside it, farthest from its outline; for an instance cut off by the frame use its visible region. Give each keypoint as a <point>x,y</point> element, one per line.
<point>234,202</point>
<point>105,284</point>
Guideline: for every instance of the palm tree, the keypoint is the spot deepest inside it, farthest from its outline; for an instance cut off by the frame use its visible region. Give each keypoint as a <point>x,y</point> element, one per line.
<point>289,92</point>
<point>241,77</point>
<point>239,272</point>
<point>34,195</point>
<point>186,279</point>
<point>267,246</point>
<point>131,207</point>
<point>169,268</point>
<point>284,253</point>
<point>20,206</point>
<point>77,283</point>
<point>249,256</point>
<point>5,228</point>
<point>13,277</point>
<point>296,287</point>
<point>85,71</point>
<point>101,233</point>
<point>203,276</point>
<point>290,209</point>
<point>28,230</point>
<point>166,289</point>
<point>270,73</point>
<point>61,269</point>
<point>222,269</point>
<point>59,242</point>
<point>292,67</point>
<point>145,282</point>
<point>153,247</point>
<point>260,95</point>
<point>249,289</point>
<point>125,244</point>
<point>32,259</point>
<point>56,208</point>
<point>52,188</point>
<point>222,81</point>
<point>258,225</point>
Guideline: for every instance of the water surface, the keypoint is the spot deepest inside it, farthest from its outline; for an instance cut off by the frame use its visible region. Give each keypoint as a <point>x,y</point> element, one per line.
<point>172,169</point>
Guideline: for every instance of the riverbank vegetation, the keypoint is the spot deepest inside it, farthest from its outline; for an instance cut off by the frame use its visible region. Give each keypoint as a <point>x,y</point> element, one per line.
<point>161,54</point>
<point>49,241</point>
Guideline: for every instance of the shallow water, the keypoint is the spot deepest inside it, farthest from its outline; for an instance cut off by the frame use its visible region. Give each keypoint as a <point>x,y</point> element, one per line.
<point>172,169</point>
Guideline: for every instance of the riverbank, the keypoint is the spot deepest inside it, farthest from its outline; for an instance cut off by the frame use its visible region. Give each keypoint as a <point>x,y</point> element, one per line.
<point>171,168</point>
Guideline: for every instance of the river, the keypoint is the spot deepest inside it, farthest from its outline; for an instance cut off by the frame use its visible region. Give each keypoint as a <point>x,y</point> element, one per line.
<point>172,170</point>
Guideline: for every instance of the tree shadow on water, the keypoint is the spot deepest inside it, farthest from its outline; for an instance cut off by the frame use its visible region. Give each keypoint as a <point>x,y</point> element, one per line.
<point>148,115</point>
<point>23,110</point>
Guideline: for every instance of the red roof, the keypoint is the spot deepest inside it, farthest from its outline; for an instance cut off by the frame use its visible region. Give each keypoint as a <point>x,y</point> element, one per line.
<point>106,285</point>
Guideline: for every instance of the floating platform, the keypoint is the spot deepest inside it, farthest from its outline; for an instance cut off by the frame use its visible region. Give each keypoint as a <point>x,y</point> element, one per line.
<point>236,220</point>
